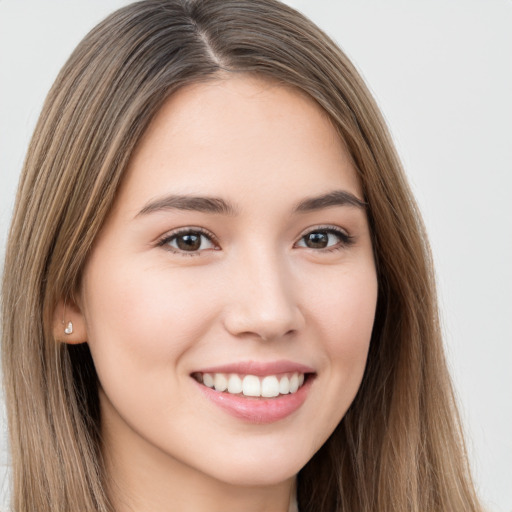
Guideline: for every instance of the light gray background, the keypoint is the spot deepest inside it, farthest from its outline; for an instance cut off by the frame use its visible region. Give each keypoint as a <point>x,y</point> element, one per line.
<point>441,71</point>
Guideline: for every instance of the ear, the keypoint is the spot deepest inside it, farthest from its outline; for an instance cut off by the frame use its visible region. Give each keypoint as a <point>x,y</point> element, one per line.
<point>69,323</point>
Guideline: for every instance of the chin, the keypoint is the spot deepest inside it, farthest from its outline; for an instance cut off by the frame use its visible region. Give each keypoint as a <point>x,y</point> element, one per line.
<point>262,469</point>
<point>259,475</point>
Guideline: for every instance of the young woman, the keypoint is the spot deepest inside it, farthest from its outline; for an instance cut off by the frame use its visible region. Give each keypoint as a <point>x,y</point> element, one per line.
<point>217,291</point>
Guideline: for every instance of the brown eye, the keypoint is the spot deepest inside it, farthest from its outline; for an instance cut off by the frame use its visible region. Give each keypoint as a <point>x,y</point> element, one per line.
<point>188,241</point>
<point>318,240</point>
<point>325,239</point>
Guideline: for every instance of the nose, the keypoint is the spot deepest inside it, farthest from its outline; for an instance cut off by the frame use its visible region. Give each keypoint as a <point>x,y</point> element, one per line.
<point>263,300</point>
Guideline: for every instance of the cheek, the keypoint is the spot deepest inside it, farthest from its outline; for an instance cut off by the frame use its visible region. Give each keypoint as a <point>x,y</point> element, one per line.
<point>342,316</point>
<point>346,314</point>
<point>142,317</point>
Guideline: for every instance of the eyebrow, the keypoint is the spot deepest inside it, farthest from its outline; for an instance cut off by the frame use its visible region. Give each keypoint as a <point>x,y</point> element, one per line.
<point>219,206</point>
<point>191,203</point>
<point>335,198</point>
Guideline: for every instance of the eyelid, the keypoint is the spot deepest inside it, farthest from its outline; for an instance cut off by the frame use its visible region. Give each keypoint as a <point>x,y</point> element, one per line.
<point>346,239</point>
<point>170,235</point>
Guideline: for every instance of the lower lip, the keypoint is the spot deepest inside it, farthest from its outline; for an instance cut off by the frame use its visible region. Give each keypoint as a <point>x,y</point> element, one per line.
<point>258,409</point>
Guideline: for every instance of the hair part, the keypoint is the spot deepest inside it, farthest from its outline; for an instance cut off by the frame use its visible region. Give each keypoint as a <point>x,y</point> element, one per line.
<point>399,447</point>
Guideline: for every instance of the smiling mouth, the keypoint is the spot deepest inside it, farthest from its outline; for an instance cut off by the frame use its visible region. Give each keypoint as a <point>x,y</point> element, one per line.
<point>269,386</point>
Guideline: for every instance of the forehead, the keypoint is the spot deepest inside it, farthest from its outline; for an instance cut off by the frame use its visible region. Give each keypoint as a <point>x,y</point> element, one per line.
<point>239,134</point>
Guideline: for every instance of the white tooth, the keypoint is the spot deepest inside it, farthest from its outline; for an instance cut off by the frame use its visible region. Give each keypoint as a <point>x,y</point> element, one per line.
<point>294,383</point>
<point>208,380</point>
<point>269,386</point>
<point>234,384</point>
<point>251,386</point>
<point>220,382</point>
<point>284,386</point>
<point>301,379</point>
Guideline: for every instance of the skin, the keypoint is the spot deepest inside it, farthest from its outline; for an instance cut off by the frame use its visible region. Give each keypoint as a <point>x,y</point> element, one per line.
<point>153,314</point>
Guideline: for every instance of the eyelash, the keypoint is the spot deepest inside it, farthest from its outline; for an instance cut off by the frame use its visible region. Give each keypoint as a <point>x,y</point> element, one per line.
<point>167,239</point>
<point>345,240</point>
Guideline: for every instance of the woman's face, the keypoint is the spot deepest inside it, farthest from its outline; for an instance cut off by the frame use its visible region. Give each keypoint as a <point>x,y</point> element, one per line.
<point>237,254</point>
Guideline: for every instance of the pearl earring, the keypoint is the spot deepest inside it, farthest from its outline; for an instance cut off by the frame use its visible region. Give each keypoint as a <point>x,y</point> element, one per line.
<point>69,328</point>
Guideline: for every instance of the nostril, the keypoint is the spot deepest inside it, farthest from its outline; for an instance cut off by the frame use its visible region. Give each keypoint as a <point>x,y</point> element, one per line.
<point>263,306</point>
<point>243,324</point>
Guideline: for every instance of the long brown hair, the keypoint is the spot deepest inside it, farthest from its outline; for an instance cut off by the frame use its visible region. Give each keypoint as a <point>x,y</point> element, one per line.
<point>399,447</point>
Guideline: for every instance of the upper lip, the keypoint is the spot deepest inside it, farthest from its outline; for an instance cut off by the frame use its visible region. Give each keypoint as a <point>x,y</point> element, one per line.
<point>258,368</point>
